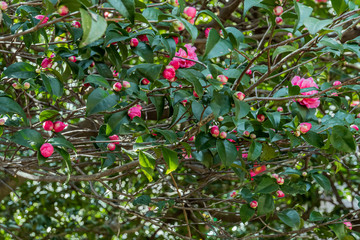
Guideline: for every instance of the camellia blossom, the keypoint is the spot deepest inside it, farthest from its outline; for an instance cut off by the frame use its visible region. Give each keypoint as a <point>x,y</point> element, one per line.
<point>354,127</point>
<point>145,81</point>
<point>190,54</point>
<point>189,12</point>
<point>43,19</point>
<point>47,63</point>
<point>260,117</point>
<point>143,38</point>
<point>48,125</point>
<point>306,83</point>
<point>46,150</point>
<point>59,126</point>
<point>248,72</point>
<point>76,24</point>
<point>3,5</point>
<point>134,112</point>
<point>117,87</point>
<point>348,225</point>
<point>176,39</point>
<point>257,169</point>
<point>240,95</point>
<point>214,131</point>
<point>134,42</point>
<point>304,127</point>
<point>175,64</point>
<point>111,146</point>
<point>63,10</point>
<point>169,73</point>
<point>337,83</point>
<point>254,204</point>
<point>278,20</point>
<point>280,194</point>
<point>115,137</point>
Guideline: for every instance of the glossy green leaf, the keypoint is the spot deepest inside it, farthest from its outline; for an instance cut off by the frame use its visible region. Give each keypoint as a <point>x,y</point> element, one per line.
<point>265,204</point>
<point>246,212</point>
<point>254,151</point>
<point>267,185</point>
<point>290,217</point>
<point>9,106</point>
<point>323,181</point>
<point>283,49</point>
<point>20,70</point>
<point>93,25</point>
<point>142,200</point>
<point>315,25</point>
<point>342,139</point>
<point>48,114</point>
<point>339,6</point>
<point>251,3</point>
<point>100,100</point>
<point>227,151</point>
<point>211,41</point>
<point>171,159</point>
<point>125,8</point>
<point>313,139</point>
<point>302,12</point>
<point>98,80</point>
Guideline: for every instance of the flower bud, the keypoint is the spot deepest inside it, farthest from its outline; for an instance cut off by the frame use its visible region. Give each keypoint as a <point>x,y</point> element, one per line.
<point>183,102</point>
<point>254,204</point>
<point>48,125</point>
<point>192,138</point>
<point>278,10</point>
<point>304,127</point>
<point>43,19</point>
<point>176,39</point>
<point>111,146</point>
<point>145,81</point>
<point>2,121</point>
<point>108,15</point>
<point>207,32</point>
<point>280,181</point>
<point>215,131</point>
<point>26,85</point>
<point>134,42</point>
<point>16,85</point>
<point>3,5</point>
<point>63,10</point>
<point>222,78</point>
<point>246,133</point>
<point>115,137</point>
<point>280,194</point>
<point>240,95</point>
<point>115,74</point>
<point>126,84</point>
<point>59,126</point>
<point>46,150</point>
<point>117,87</point>
<point>260,117</point>
<point>46,63</point>
<point>175,3</point>
<point>233,194</point>
<point>76,24</point>
<point>72,59</point>
<point>253,136</point>
<point>354,127</point>
<point>220,118</point>
<point>274,175</point>
<point>278,20</point>
<point>209,76</point>
<point>348,225</point>
<point>178,26</point>
<point>304,174</point>
<point>189,12</point>
<point>337,83</point>
<point>223,135</point>
<point>280,109</point>
<point>128,29</point>
<point>248,72</point>
<point>169,73</point>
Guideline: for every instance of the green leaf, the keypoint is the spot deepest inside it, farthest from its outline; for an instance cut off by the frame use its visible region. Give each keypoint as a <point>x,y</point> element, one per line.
<point>168,134</point>
<point>315,216</point>
<point>94,27</point>
<point>303,12</point>
<point>171,159</point>
<point>268,152</point>
<point>192,76</point>
<point>144,51</point>
<point>216,18</point>
<point>142,200</point>
<point>246,212</point>
<point>125,8</point>
<point>147,164</point>
<point>8,106</point>
<point>20,70</point>
<point>266,204</point>
<point>53,86</point>
<point>342,139</point>
<point>212,40</point>
<point>315,25</point>
<point>275,118</point>
<point>339,6</point>
<point>220,104</point>
<point>254,151</point>
<point>339,230</point>
<point>251,3</point>
<point>227,152</point>
<point>241,110</point>
<point>99,100</point>
<point>283,49</point>
<point>313,139</point>
<point>159,103</point>
<point>98,80</point>
<point>190,28</point>
<point>28,138</point>
<point>323,181</point>
<point>147,70</point>
<point>48,114</point>
<point>67,160</point>
<point>267,185</point>
<point>290,217</point>
<point>61,142</point>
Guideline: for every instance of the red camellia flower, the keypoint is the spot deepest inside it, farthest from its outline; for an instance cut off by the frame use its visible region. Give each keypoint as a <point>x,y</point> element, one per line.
<point>134,42</point>
<point>59,126</point>
<point>214,131</point>
<point>248,72</point>
<point>48,126</point>
<point>337,83</point>
<point>306,83</point>
<point>134,112</point>
<point>117,87</point>
<point>143,38</point>
<point>46,150</point>
<point>111,146</point>
<point>42,18</point>
<point>280,194</point>
<point>169,73</point>
<point>260,117</point>
<point>46,63</point>
<point>76,24</point>
<point>115,137</point>
<point>145,81</point>
<point>257,169</point>
<point>176,39</point>
<point>304,127</point>
<point>63,10</point>
<point>189,12</point>
<point>254,204</point>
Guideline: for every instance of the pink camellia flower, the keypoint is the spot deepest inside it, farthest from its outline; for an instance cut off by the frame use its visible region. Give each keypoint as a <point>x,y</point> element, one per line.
<point>220,118</point>
<point>257,169</point>
<point>111,146</point>
<point>248,72</point>
<point>278,10</point>
<point>233,194</point>
<point>337,83</point>
<point>280,109</point>
<point>48,125</point>
<point>209,76</point>
<point>254,204</point>
<point>115,137</point>
<point>189,12</point>
<point>306,83</point>
<point>3,5</point>
<point>246,133</point>
<point>126,84</point>
<point>214,131</point>
<point>278,20</point>
<point>117,87</point>
<point>183,102</point>
<point>354,103</point>
<point>139,106</point>
<point>304,127</point>
<point>63,10</point>
<point>72,59</point>
<point>207,31</point>
<point>348,225</point>
<point>169,73</point>
<point>354,127</point>
<point>2,121</point>
<point>143,38</point>
<point>231,140</point>
<point>175,64</point>
<point>47,63</point>
<point>16,85</point>
<point>134,42</point>
<point>260,117</point>
<point>59,126</point>
<point>46,150</point>
<point>43,19</point>
<point>222,78</point>
<point>76,24</point>
<point>176,39</point>
<point>223,135</point>
<point>280,181</point>
<point>26,85</point>
<point>145,81</point>
<point>178,26</point>
<point>195,94</point>
<point>244,155</point>
<point>192,138</point>
<point>134,112</point>
<point>274,175</point>
<point>190,54</point>
<point>240,95</point>
<point>280,194</point>
<point>115,74</point>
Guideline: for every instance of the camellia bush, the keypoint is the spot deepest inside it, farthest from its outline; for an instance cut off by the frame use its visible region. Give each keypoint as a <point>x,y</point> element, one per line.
<point>132,119</point>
